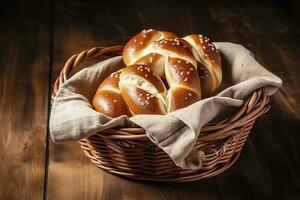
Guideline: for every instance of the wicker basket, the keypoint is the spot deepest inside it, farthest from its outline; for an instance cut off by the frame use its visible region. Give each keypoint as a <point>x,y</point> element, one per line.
<point>129,152</point>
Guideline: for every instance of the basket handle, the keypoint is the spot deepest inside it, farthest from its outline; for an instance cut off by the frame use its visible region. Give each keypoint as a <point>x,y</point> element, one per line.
<point>74,61</point>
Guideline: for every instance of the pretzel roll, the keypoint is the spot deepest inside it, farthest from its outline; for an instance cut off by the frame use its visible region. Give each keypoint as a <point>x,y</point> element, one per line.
<point>155,62</point>
<point>191,65</point>
<point>174,47</point>
<point>142,90</point>
<point>184,83</point>
<point>138,50</point>
<point>211,67</point>
<point>171,57</point>
<point>108,99</point>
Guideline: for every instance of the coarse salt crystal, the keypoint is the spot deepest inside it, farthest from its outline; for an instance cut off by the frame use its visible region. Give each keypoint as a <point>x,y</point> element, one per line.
<point>150,59</point>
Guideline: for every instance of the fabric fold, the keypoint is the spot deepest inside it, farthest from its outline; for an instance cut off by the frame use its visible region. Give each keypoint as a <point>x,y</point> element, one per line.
<point>72,116</point>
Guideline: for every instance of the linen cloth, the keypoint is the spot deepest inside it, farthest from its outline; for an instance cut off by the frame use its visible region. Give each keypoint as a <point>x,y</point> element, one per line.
<point>72,116</point>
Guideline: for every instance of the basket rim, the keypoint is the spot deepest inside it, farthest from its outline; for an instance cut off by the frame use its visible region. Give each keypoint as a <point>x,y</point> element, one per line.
<point>256,105</point>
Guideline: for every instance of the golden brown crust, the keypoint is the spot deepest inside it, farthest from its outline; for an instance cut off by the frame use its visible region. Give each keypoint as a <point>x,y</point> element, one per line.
<point>108,99</point>
<point>141,101</point>
<point>191,66</point>
<point>142,90</point>
<point>145,73</point>
<point>136,46</point>
<point>155,62</point>
<point>206,80</point>
<point>110,82</point>
<point>174,47</point>
<point>184,82</point>
<point>166,34</point>
<point>183,73</point>
<point>209,56</point>
<point>110,104</point>
<point>180,97</point>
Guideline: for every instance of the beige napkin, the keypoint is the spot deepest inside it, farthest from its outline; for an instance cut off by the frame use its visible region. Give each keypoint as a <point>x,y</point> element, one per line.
<point>72,116</point>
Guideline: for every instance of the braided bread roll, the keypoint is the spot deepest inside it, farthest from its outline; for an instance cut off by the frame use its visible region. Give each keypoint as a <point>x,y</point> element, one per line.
<point>108,99</point>
<point>142,49</point>
<point>143,90</point>
<point>138,50</point>
<point>209,61</point>
<point>154,55</point>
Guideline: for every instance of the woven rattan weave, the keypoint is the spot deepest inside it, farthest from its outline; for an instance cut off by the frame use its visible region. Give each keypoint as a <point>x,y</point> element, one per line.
<point>129,152</point>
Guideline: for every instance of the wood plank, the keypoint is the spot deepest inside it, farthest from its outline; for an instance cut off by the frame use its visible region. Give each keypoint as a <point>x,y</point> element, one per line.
<point>269,165</point>
<point>24,64</point>
<point>80,26</point>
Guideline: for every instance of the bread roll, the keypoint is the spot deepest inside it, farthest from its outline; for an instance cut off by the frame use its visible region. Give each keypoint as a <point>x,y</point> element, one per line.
<point>210,62</point>
<point>142,90</point>
<point>108,99</point>
<point>190,65</point>
<point>142,49</point>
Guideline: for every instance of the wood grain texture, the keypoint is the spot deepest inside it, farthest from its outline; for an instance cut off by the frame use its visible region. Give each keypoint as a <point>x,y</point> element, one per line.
<point>24,63</point>
<point>269,165</point>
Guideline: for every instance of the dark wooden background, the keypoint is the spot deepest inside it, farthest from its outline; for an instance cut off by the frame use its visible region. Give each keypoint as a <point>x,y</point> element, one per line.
<point>36,38</point>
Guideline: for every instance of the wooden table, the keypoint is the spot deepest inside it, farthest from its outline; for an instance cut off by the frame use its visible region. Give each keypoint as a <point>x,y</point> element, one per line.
<point>37,37</point>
